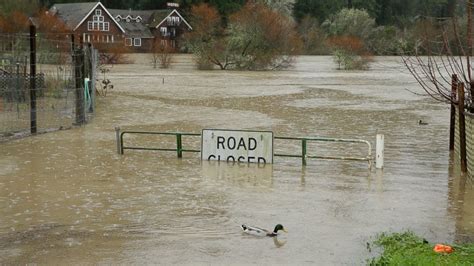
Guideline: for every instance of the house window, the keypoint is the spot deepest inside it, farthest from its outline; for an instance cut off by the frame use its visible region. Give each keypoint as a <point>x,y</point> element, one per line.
<point>98,22</point>
<point>128,41</point>
<point>137,42</point>
<point>163,31</point>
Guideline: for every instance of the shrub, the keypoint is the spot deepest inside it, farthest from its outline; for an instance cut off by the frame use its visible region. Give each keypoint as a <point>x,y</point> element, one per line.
<point>349,53</point>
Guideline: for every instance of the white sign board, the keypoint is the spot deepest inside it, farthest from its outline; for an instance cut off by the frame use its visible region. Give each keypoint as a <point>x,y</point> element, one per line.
<point>237,146</point>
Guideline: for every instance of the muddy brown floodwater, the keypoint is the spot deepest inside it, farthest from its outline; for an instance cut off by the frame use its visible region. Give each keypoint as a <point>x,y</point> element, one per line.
<point>67,197</point>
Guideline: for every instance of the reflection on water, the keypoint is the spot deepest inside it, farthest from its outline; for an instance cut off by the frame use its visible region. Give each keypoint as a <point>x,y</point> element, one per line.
<point>244,175</point>
<point>461,194</point>
<point>278,243</point>
<point>68,198</point>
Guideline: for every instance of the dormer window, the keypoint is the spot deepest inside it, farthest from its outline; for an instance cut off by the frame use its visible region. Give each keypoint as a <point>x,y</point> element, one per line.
<point>118,18</point>
<point>138,19</point>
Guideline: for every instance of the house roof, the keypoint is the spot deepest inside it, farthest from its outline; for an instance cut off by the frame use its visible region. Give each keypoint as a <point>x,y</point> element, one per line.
<point>144,14</point>
<point>74,14</point>
<point>136,29</point>
<point>158,16</point>
<point>159,21</point>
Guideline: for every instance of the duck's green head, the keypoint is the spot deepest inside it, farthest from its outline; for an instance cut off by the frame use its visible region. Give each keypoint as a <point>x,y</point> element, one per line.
<point>279,227</point>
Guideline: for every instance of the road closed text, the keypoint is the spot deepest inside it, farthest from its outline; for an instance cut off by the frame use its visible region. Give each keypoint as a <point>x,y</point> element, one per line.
<point>237,146</point>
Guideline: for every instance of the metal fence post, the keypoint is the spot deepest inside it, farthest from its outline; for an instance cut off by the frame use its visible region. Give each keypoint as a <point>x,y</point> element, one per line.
<point>179,147</point>
<point>33,126</point>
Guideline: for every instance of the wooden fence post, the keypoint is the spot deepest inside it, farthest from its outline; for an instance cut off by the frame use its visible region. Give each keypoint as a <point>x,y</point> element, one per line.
<point>462,127</point>
<point>454,85</point>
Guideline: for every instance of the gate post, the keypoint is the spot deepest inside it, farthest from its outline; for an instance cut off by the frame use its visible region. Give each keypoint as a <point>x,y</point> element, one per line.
<point>379,150</point>
<point>119,142</point>
<point>303,151</point>
<point>179,146</point>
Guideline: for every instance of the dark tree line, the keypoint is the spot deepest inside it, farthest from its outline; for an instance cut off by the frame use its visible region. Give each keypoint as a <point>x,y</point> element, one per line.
<point>385,12</point>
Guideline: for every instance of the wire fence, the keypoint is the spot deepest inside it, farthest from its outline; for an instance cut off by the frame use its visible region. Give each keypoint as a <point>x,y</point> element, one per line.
<point>62,94</point>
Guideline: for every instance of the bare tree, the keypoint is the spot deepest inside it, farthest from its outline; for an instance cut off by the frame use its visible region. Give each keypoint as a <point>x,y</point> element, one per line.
<point>162,53</point>
<point>443,56</point>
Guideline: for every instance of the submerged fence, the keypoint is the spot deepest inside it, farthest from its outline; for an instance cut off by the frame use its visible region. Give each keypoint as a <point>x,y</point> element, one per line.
<point>46,83</point>
<point>468,142</point>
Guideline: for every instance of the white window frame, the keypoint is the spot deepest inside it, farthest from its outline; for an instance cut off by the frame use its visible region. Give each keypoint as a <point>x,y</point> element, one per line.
<point>164,31</point>
<point>98,12</point>
<point>128,42</point>
<point>135,43</point>
<point>106,26</point>
<point>90,26</point>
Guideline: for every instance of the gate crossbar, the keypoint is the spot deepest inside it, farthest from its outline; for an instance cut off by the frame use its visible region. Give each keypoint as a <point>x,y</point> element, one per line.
<point>304,141</point>
<point>304,155</point>
<point>179,143</point>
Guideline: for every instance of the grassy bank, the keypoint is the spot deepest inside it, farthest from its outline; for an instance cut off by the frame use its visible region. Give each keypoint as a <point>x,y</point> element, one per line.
<point>408,249</point>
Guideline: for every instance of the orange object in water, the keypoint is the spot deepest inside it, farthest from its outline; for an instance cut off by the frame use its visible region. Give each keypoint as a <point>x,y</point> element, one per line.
<point>440,248</point>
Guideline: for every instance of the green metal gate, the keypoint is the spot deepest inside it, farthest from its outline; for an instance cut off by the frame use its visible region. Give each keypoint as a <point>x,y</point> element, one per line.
<point>121,147</point>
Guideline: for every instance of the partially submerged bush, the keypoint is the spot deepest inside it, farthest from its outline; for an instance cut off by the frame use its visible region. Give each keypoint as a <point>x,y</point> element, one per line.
<point>349,53</point>
<point>257,37</point>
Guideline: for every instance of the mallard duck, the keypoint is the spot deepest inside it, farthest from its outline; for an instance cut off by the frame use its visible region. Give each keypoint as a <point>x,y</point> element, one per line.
<point>256,231</point>
<point>421,122</point>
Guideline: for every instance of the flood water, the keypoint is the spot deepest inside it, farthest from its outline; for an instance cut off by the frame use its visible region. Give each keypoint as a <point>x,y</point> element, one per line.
<point>67,197</point>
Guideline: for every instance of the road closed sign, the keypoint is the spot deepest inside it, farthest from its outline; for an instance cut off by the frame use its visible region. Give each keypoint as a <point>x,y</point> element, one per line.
<point>237,146</point>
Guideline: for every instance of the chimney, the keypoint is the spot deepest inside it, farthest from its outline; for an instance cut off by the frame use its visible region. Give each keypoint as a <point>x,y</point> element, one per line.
<point>171,5</point>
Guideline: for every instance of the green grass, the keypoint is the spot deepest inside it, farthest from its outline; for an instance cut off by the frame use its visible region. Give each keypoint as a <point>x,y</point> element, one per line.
<point>408,249</point>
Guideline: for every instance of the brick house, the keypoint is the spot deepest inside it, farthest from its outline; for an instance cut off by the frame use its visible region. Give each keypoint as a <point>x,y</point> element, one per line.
<point>135,30</point>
